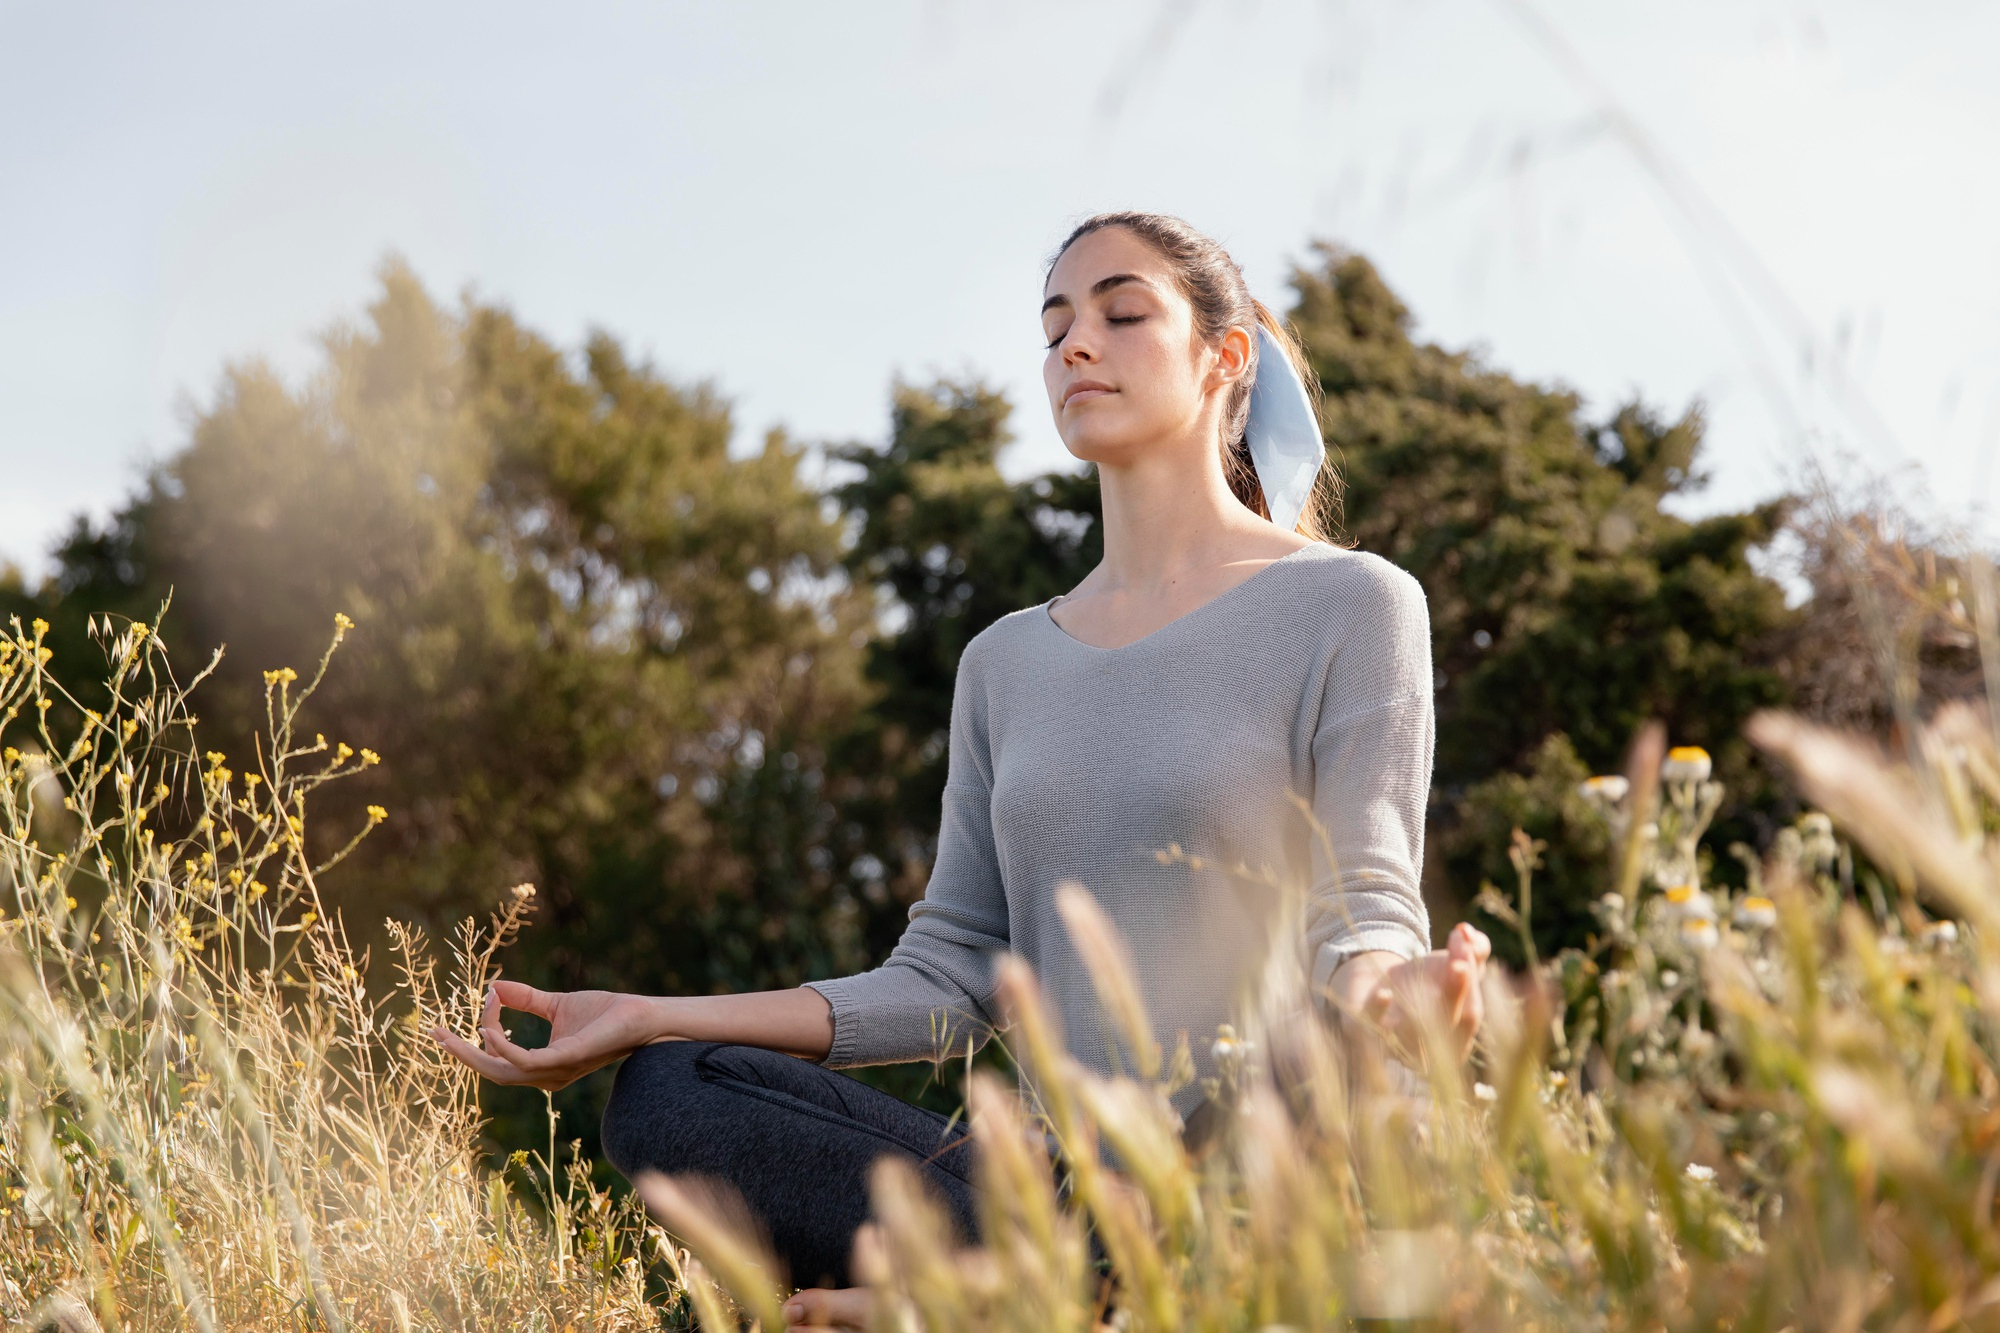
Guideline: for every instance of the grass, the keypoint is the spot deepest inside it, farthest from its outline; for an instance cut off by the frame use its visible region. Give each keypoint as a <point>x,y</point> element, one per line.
<point>209,1121</point>
<point>1773,1110</point>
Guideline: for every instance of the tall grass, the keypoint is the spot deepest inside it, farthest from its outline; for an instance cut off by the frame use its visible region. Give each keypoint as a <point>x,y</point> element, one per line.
<point>1761,1110</point>
<point>210,1122</point>
<point>1776,1109</point>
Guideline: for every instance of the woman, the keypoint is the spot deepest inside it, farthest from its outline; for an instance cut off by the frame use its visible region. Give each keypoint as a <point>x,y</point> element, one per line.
<point>1216,663</point>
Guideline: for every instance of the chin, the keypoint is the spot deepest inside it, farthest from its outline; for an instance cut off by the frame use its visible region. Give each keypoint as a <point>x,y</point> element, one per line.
<point>1104,440</point>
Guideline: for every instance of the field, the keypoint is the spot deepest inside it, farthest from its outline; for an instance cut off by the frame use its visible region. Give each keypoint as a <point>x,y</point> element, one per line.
<point>1766,1110</point>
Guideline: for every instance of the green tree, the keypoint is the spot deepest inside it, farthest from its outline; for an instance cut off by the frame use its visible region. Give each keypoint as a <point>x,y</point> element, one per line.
<point>595,651</point>
<point>1566,599</point>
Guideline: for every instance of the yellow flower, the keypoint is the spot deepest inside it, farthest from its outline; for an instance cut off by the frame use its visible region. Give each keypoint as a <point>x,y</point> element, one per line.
<point>305,922</point>
<point>41,627</point>
<point>1687,763</point>
<point>342,751</point>
<point>282,676</point>
<point>341,622</point>
<point>369,757</point>
<point>376,814</point>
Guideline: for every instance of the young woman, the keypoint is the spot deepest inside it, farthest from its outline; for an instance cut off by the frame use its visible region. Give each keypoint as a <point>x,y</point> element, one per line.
<point>1215,666</point>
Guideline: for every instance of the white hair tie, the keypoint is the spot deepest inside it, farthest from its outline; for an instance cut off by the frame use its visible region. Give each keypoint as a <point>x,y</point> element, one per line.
<point>1283,434</point>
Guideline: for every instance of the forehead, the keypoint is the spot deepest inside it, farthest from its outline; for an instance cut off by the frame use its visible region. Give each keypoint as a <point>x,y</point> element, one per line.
<point>1101,254</point>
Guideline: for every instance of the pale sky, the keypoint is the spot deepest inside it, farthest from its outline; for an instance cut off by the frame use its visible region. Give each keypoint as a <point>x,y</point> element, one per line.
<point>801,201</point>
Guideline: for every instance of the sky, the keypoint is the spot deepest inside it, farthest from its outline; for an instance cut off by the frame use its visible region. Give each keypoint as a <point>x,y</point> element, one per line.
<point>1783,211</point>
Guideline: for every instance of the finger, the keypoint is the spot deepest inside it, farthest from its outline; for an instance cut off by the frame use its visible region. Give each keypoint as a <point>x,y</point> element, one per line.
<point>531,1059</point>
<point>527,999</point>
<point>491,1066</point>
<point>819,1307</point>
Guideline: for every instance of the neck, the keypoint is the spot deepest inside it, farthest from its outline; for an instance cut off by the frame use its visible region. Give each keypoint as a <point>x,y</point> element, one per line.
<point>1166,514</point>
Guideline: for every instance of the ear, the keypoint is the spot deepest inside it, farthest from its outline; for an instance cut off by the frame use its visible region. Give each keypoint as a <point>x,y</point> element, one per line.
<point>1232,358</point>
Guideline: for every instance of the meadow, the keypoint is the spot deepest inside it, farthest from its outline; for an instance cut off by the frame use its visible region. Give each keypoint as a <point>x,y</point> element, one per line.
<point>1760,1109</point>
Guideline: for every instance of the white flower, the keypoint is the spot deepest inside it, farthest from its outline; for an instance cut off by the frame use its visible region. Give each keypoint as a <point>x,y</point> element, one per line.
<point>1939,933</point>
<point>1604,789</point>
<point>1686,902</point>
<point>1696,1171</point>
<point>1699,933</point>
<point>1485,1092</point>
<point>1686,763</point>
<point>1756,911</point>
<point>1670,978</point>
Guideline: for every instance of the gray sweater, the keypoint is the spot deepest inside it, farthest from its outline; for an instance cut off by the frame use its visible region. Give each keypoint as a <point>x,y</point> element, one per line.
<point>1069,762</point>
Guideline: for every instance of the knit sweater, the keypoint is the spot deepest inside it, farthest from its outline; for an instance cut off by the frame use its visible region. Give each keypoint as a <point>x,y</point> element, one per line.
<point>1166,777</point>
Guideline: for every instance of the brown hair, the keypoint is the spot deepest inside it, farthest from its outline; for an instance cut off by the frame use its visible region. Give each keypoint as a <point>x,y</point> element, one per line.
<point>1214,286</point>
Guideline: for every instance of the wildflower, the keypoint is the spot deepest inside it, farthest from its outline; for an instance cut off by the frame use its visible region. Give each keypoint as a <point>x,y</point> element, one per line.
<point>1702,1174</point>
<point>369,757</point>
<point>342,751</point>
<point>1699,933</point>
<point>523,891</point>
<point>1558,1079</point>
<point>341,623</point>
<point>1686,763</point>
<point>305,922</point>
<point>1604,789</point>
<point>41,627</point>
<point>376,814</point>
<point>1485,1092</point>
<point>1939,933</point>
<point>282,676</point>
<point>1688,902</point>
<point>1757,911</point>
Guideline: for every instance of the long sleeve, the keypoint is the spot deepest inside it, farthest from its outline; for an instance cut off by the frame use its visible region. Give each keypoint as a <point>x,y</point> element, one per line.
<point>1372,753</point>
<point>936,989</point>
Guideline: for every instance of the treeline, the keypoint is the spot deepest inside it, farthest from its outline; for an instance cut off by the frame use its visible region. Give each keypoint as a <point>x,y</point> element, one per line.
<point>701,700</point>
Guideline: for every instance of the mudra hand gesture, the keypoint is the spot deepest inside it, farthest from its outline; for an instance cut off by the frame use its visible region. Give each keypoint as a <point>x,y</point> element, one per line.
<point>588,1029</point>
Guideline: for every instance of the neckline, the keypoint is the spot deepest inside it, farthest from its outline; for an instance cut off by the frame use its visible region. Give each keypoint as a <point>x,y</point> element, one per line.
<point>1048,607</point>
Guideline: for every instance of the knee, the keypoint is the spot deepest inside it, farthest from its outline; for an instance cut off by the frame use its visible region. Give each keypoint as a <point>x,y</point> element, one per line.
<point>651,1093</point>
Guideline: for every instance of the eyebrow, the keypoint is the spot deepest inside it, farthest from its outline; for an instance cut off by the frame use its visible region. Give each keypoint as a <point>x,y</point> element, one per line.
<point>1098,288</point>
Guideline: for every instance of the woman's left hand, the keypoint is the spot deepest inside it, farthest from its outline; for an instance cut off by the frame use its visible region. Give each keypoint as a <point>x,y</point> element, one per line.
<point>1392,993</point>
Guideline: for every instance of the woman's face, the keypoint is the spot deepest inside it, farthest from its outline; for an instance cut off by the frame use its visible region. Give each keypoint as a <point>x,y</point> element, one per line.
<point>1125,370</point>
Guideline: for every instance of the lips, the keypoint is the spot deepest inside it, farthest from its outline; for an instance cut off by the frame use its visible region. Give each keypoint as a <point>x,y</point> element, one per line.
<point>1085,389</point>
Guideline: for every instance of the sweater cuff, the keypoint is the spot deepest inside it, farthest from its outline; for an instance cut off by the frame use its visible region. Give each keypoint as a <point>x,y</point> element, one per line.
<point>1386,937</point>
<point>846,1048</point>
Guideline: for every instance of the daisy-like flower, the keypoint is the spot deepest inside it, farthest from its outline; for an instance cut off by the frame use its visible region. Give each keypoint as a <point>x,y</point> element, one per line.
<point>1689,903</point>
<point>1699,933</point>
<point>1686,763</point>
<point>1758,911</point>
<point>1604,789</point>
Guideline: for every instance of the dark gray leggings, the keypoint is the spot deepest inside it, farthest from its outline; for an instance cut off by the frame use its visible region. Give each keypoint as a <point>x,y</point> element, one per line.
<point>795,1140</point>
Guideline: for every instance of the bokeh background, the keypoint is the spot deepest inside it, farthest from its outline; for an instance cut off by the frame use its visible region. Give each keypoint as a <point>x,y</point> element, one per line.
<point>658,386</point>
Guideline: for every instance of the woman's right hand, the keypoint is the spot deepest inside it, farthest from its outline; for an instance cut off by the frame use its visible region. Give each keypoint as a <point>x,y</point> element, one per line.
<point>588,1029</point>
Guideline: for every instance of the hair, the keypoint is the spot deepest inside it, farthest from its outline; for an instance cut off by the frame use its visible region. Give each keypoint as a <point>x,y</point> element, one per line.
<point>1214,287</point>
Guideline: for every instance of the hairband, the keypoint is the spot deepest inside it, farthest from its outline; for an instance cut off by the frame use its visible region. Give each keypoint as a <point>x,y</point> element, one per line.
<point>1283,434</point>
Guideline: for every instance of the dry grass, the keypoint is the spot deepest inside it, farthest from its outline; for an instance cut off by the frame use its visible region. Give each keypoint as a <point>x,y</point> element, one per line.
<point>210,1122</point>
<point>1774,1110</point>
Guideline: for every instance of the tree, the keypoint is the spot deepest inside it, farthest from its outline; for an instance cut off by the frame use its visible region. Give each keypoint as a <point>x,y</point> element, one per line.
<point>1565,598</point>
<point>595,651</point>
